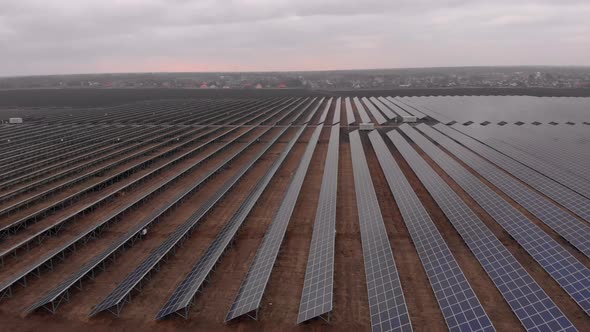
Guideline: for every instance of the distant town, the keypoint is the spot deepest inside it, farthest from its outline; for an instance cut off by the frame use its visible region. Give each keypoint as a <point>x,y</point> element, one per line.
<point>465,77</point>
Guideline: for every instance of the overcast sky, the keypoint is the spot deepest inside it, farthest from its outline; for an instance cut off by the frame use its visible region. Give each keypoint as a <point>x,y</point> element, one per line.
<point>87,36</point>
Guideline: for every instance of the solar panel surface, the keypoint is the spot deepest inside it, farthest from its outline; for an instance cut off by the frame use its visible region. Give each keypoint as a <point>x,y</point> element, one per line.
<point>457,300</point>
<point>252,289</point>
<point>386,299</point>
<point>526,298</point>
<point>569,273</point>
<point>318,286</point>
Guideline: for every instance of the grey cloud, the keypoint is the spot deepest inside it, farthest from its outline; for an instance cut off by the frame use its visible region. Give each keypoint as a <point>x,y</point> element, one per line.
<point>62,36</point>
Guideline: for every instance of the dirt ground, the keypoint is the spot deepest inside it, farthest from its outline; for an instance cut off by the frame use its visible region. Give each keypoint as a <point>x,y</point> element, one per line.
<point>280,303</point>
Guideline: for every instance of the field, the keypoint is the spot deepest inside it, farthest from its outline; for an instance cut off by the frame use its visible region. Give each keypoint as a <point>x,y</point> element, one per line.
<point>275,212</point>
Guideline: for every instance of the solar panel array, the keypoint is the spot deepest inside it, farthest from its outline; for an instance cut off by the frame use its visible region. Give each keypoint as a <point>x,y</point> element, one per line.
<point>376,114</point>
<point>564,177</point>
<point>415,104</point>
<point>559,193</point>
<point>411,108</point>
<point>127,285</point>
<point>181,298</point>
<point>570,158</point>
<point>387,305</point>
<point>384,109</point>
<point>458,302</point>
<point>349,113</point>
<point>237,118</point>
<point>528,141</point>
<point>146,193</point>
<point>312,112</point>
<point>572,229</point>
<point>361,111</point>
<point>528,301</point>
<point>58,252</point>
<point>252,289</point>
<point>123,289</point>
<point>337,111</point>
<point>508,109</point>
<point>117,297</point>
<point>390,102</point>
<point>325,111</point>
<point>566,145</point>
<point>563,267</point>
<point>318,286</point>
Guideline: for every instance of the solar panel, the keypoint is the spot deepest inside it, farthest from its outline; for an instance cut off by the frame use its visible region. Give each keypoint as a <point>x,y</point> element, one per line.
<point>572,229</point>
<point>349,113</point>
<point>388,113</point>
<point>376,114</point>
<point>57,252</point>
<point>526,298</point>
<point>387,305</point>
<point>116,299</point>
<point>146,193</point>
<point>458,302</point>
<point>313,110</point>
<point>564,177</point>
<point>559,193</point>
<point>540,150</point>
<point>389,101</point>
<point>435,115</point>
<point>86,175</point>
<point>337,111</point>
<point>361,111</point>
<point>181,299</point>
<point>252,289</point>
<point>412,109</point>
<point>325,111</point>
<point>316,298</point>
<point>564,268</point>
<point>389,105</point>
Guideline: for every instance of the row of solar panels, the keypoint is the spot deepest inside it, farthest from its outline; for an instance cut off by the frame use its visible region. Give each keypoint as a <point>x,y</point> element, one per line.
<point>124,288</point>
<point>42,140</point>
<point>510,109</point>
<point>143,147</point>
<point>57,224</point>
<point>6,286</point>
<point>457,301</point>
<point>459,304</point>
<point>383,109</point>
<point>94,139</point>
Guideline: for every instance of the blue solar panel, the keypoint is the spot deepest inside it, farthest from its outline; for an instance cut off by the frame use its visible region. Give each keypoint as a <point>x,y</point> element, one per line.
<point>559,193</point>
<point>316,298</point>
<point>569,273</point>
<point>562,176</point>
<point>572,229</point>
<point>182,297</point>
<point>459,304</point>
<point>526,298</point>
<point>386,299</point>
<point>252,288</point>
